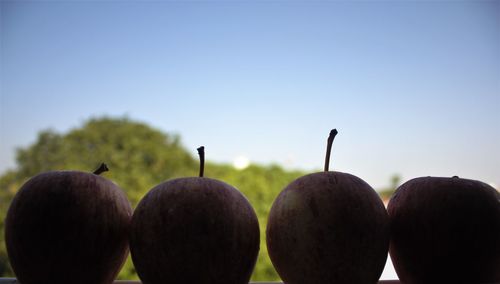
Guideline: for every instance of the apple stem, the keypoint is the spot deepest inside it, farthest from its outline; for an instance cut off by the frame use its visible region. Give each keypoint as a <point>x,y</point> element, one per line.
<point>201,152</point>
<point>332,135</point>
<point>101,169</point>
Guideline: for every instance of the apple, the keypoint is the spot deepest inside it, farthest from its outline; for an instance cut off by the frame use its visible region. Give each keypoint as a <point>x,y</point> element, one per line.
<point>68,227</point>
<point>194,230</point>
<point>445,230</point>
<point>328,227</point>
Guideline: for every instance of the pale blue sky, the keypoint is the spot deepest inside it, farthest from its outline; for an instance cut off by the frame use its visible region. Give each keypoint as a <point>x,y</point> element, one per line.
<point>413,87</point>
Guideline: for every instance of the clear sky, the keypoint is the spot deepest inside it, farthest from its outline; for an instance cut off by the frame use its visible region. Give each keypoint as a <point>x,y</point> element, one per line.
<point>412,86</point>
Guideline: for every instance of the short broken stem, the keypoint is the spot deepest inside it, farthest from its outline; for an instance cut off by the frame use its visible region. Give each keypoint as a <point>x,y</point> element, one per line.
<point>332,135</point>
<point>201,153</point>
<point>101,169</point>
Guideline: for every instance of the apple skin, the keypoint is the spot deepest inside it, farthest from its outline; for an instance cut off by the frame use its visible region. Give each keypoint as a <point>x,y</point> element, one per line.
<point>445,230</point>
<point>68,227</point>
<point>194,230</point>
<point>328,227</point>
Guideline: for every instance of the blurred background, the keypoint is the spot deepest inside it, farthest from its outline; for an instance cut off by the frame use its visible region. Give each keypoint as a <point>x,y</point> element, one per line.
<point>412,86</point>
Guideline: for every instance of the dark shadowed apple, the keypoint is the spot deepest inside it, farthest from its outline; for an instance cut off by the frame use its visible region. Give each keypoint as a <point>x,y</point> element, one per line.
<point>328,227</point>
<point>445,230</point>
<point>194,230</point>
<point>68,227</point>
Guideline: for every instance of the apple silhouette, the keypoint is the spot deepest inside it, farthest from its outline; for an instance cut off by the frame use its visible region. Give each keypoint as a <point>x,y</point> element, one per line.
<point>68,227</point>
<point>445,230</point>
<point>328,227</point>
<point>194,230</point>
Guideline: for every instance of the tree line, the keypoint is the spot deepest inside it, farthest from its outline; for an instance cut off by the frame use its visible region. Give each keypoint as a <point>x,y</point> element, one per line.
<point>139,157</point>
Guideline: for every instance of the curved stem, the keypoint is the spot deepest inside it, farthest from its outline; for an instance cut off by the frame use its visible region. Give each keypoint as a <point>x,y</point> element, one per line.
<point>201,153</point>
<point>332,135</point>
<point>101,169</point>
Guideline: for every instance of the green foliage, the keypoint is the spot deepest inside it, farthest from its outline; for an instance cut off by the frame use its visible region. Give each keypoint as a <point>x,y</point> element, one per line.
<point>137,155</point>
<point>139,158</point>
